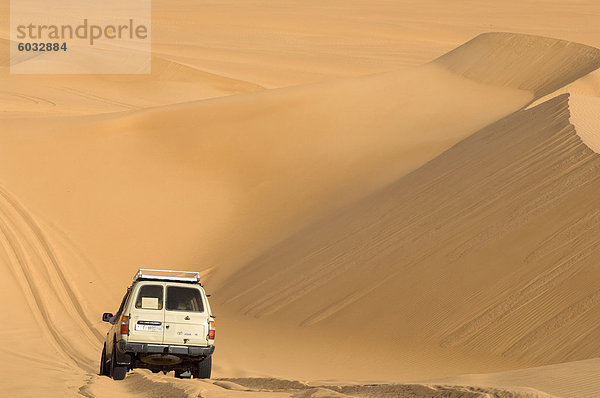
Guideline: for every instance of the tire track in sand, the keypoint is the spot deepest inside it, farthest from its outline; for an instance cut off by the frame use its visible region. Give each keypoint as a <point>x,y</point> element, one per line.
<point>30,253</point>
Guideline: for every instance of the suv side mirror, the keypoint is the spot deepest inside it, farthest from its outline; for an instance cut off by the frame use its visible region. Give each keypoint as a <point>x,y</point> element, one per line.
<point>106,317</point>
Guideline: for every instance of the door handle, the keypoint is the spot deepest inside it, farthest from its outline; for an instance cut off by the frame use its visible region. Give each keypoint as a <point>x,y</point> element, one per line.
<point>187,318</point>
<point>167,326</point>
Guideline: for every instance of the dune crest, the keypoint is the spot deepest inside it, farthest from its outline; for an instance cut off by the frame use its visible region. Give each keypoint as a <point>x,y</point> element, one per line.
<point>585,116</point>
<point>527,62</point>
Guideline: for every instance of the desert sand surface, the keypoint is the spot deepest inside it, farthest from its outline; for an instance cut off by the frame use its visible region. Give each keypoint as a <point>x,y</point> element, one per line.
<point>385,199</point>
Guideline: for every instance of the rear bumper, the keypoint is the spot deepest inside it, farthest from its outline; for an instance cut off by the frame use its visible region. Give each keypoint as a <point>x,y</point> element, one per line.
<point>145,348</point>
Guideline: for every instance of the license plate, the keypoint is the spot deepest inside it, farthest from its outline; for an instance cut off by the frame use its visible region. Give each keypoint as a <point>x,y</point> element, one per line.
<point>149,328</point>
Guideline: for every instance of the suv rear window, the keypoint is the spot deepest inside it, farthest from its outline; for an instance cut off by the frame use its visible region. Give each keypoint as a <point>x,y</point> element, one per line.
<point>184,299</point>
<point>150,297</point>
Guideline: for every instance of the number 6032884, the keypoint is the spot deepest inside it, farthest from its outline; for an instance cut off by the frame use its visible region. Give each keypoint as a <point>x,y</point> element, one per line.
<point>42,46</point>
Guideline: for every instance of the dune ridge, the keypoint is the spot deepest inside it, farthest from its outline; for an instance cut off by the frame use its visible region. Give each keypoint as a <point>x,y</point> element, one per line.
<point>527,62</point>
<point>584,111</point>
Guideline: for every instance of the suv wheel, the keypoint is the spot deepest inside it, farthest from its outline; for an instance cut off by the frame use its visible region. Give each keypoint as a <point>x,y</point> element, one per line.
<point>117,372</point>
<point>203,369</point>
<point>104,371</point>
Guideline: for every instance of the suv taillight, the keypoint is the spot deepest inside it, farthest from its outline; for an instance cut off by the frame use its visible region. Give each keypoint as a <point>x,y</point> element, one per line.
<point>211,330</point>
<point>124,324</point>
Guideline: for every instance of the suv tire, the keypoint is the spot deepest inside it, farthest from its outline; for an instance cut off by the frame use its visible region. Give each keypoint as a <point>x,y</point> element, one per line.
<point>117,372</point>
<point>203,369</point>
<point>104,371</point>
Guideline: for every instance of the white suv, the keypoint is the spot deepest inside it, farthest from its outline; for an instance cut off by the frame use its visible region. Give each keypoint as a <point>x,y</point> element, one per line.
<point>164,323</point>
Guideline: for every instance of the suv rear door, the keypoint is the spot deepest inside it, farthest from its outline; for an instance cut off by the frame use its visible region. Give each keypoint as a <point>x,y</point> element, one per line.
<point>186,316</point>
<point>147,313</point>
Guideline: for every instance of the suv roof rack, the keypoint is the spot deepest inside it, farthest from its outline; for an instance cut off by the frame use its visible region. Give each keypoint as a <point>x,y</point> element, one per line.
<point>166,275</point>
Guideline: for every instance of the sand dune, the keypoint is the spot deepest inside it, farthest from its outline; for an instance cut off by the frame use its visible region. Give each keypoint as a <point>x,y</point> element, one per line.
<point>171,82</point>
<point>248,197</point>
<point>525,62</point>
<point>405,225</point>
<point>267,43</point>
<point>321,140</point>
<point>455,223</point>
<point>570,379</point>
